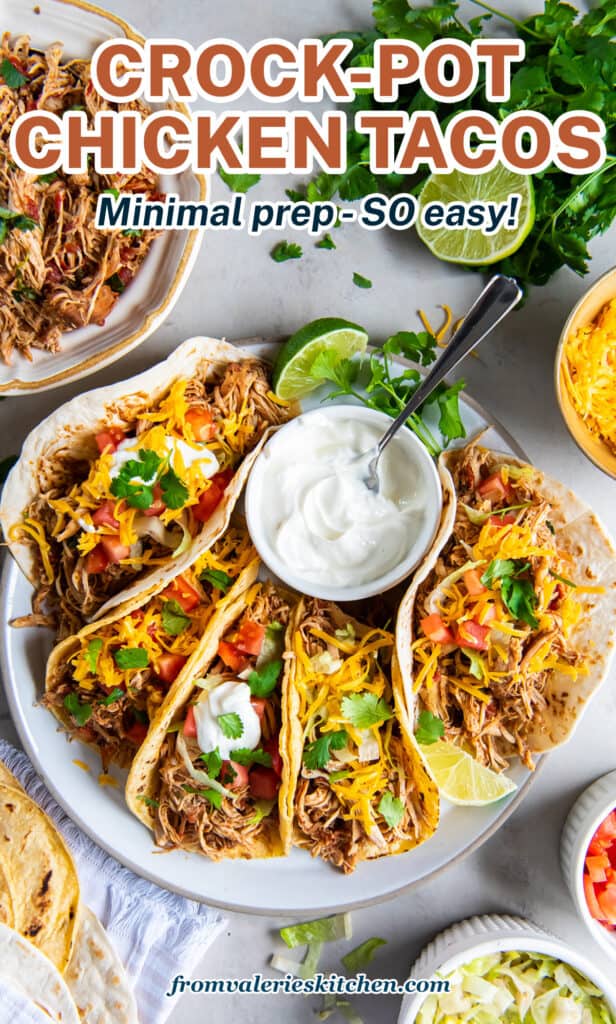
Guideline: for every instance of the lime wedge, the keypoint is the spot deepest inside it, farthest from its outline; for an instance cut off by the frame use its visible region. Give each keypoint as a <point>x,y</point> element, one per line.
<point>468,246</point>
<point>296,358</point>
<point>461,779</point>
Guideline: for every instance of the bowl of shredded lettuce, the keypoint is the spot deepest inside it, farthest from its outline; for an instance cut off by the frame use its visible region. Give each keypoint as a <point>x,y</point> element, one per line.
<point>504,970</point>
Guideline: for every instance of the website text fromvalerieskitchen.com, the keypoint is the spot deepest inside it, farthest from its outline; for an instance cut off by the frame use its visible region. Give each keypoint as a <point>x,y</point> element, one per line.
<point>319,984</point>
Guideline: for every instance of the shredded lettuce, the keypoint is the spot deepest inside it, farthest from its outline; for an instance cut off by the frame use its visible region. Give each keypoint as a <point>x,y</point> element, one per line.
<point>324,929</point>
<point>308,966</point>
<point>362,955</point>
<point>517,988</point>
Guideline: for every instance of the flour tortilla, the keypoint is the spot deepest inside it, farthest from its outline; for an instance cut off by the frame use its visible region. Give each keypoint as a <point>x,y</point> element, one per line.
<point>25,969</point>
<point>38,868</point>
<point>65,650</point>
<point>96,976</point>
<point>142,783</point>
<point>415,768</point>
<point>71,428</point>
<point>578,531</point>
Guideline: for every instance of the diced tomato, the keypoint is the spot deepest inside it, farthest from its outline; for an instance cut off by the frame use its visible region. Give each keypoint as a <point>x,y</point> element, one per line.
<point>494,489</point>
<point>108,440</point>
<point>472,582</point>
<point>231,780</point>
<point>180,590</point>
<point>598,846</point>
<point>137,733</point>
<point>113,547</point>
<point>104,515</point>
<point>169,666</point>
<point>201,422</point>
<point>250,637</point>
<point>607,828</point>
<point>264,782</point>
<point>596,867</point>
<point>272,748</point>
<point>259,704</point>
<point>96,560</point>
<point>591,899</point>
<point>58,201</point>
<point>472,634</point>
<point>125,275</point>
<point>211,498</point>
<point>232,656</point>
<point>607,903</point>
<point>436,630</point>
<point>502,519</point>
<point>190,725</point>
<point>158,506</point>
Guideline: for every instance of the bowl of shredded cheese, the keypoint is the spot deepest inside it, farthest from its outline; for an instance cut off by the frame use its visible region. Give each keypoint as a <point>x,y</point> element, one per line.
<point>586,373</point>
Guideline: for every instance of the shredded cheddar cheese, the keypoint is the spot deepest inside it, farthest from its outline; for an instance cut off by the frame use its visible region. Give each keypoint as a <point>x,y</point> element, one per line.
<point>589,372</point>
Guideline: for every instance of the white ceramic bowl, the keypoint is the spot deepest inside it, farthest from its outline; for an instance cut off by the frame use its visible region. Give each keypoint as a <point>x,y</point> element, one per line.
<point>587,813</point>
<point>480,936</point>
<point>81,27</point>
<point>257,495</point>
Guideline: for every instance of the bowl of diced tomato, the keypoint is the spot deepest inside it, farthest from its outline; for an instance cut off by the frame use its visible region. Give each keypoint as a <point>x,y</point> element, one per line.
<point>588,857</point>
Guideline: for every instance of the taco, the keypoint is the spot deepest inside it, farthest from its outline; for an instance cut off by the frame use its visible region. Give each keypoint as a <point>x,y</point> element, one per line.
<point>360,788</point>
<point>127,484</point>
<point>212,774</point>
<point>108,682</point>
<point>509,629</point>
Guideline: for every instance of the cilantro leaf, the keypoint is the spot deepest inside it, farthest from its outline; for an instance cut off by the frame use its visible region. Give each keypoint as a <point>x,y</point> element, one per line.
<point>391,808</point>
<point>46,179</point>
<point>219,579</point>
<point>174,618</point>
<point>247,757</point>
<point>112,191</point>
<point>129,483</point>
<point>326,242</point>
<point>517,593</point>
<point>11,74</point>
<point>343,372</point>
<point>148,801</point>
<point>294,195</point>
<point>429,728</point>
<point>175,492</point>
<point>360,281</point>
<point>450,420</point>
<point>112,697</point>
<point>238,182</point>
<point>365,709</point>
<point>263,680</point>
<point>212,762</point>
<point>284,251</point>
<point>418,348</point>
<point>131,657</point>
<point>116,284</point>
<point>91,653</point>
<point>212,795</point>
<point>231,725</point>
<point>80,712</point>
<point>317,754</point>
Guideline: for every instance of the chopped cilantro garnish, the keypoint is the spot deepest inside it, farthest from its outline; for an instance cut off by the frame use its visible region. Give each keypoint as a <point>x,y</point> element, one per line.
<point>46,179</point>
<point>392,809</point>
<point>131,657</point>
<point>92,652</point>
<point>360,281</point>
<point>148,800</point>
<point>318,753</point>
<point>129,483</point>
<point>116,284</point>
<point>12,76</point>
<point>517,594</point>
<point>115,192</point>
<point>249,757</point>
<point>212,762</point>
<point>80,712</point>
<point>231,725</point>
<point>429,729</point>
<point>262,681</point>
<point>174,618</point>
<point>286,251</point>
<point>175,493</point>
<point>132,233</point>
<point>112,697</point>
<point>365,709</point>
<point>219,579</point>
<point>326,242</point>
<point>238,182</point>
<point>212,795</point>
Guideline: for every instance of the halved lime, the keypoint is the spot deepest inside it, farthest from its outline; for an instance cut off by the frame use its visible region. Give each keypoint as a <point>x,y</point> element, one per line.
<point>461,779</point>
<point>296,358</point>
<point>472,246</point>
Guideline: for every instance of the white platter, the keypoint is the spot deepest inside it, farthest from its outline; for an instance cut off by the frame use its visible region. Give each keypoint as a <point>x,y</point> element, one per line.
<point>148,300</point>
<point>297,884</point>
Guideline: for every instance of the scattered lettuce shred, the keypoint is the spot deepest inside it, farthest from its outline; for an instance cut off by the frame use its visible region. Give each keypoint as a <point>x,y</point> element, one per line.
<point>362,954</point>
<point>324,929</point>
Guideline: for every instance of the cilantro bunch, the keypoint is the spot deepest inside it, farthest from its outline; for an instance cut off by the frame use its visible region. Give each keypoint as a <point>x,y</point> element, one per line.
<point>376,384</point>
<point>136,481</point>
<point>570,65</point>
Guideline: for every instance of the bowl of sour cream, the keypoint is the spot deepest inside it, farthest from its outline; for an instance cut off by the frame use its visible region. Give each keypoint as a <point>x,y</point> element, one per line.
<point>314,522</point>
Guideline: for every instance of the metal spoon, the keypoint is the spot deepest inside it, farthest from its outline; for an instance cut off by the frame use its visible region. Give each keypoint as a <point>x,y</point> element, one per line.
<point>497,299</point>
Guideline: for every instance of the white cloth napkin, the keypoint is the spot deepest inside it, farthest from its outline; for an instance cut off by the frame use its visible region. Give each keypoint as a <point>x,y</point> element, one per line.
<point>156,933</point>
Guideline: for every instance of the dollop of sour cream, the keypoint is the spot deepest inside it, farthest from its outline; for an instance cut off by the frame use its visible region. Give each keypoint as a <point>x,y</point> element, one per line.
<point>174,446</point>
<point>321,520</point>
<point>227,698</point>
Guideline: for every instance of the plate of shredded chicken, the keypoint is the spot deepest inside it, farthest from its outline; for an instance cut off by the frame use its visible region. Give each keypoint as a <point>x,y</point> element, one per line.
<point>74,297</point>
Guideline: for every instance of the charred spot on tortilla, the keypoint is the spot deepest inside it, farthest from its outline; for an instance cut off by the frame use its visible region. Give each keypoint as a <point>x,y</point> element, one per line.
<point>45,883</point>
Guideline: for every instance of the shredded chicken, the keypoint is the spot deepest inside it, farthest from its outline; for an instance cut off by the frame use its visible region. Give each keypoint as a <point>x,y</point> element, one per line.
<point>497,728</point>
<point>57,271</point>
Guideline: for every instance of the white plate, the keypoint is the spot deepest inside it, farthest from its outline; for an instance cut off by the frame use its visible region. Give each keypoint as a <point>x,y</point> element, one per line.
<point>297,884</point>
<point>155,289</point>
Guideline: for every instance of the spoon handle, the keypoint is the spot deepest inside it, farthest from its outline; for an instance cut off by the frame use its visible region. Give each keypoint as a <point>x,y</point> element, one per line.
<point>498,297</point>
